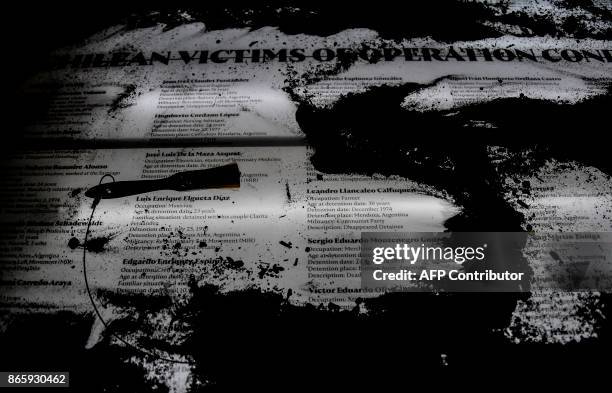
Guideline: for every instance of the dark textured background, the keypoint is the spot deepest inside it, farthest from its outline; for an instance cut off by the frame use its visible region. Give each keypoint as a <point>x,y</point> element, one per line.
<point>310,346</point>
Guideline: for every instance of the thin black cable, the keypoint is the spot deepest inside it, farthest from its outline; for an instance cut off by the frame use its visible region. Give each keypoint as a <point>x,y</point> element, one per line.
<point>97,311</point>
